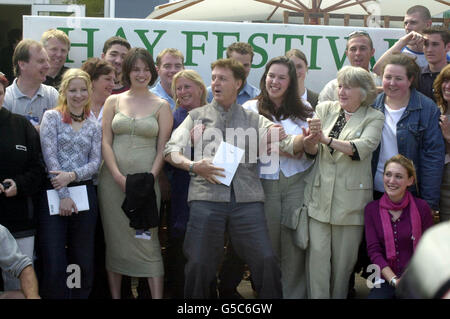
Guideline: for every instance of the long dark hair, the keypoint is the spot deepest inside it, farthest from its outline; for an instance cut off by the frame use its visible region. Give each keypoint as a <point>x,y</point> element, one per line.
<point>291,106</point>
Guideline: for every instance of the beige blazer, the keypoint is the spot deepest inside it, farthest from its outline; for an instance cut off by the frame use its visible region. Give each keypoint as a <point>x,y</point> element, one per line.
<point>338,187</point>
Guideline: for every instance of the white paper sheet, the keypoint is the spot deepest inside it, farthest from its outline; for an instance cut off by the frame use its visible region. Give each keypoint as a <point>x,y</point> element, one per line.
<point>228,157</point>
<point>78,195</point>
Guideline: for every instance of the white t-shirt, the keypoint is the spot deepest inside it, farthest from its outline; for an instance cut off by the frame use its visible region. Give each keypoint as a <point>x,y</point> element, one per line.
<point>304,99</point>
<point>100,116</point>
<point>389,145</point>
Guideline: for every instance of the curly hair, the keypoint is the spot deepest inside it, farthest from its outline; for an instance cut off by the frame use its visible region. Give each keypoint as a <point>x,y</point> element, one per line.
<point>443,76</point>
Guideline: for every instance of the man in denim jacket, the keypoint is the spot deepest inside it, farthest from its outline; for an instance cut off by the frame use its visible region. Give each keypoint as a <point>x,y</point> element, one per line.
<point>420,139</point>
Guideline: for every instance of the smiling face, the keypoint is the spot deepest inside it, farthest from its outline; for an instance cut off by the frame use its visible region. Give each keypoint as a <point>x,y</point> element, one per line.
<point>115,55</point>
<point>446,90</point>
<point>225,86</point>
<point>104,84</point>
<point>37,66</point>
<point>396,181</point>
<point>396,84</point>
<point>359,51</point>
<point>277,82</point>
<point>188,93</point>
<point>77,95</point>
<point>170,65</point>
<point>140,74</point>
<point>349,97</point>
<point>57,51</point>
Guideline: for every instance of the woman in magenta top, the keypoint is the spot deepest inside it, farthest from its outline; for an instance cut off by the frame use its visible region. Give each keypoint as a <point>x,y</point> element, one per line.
<point>394,225</point>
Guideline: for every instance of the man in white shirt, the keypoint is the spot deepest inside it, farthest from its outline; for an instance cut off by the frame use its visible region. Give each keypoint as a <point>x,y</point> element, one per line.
<point>27,95</point>
<point>168,62</point>
<point>359,51</point>
<point>417,19</point>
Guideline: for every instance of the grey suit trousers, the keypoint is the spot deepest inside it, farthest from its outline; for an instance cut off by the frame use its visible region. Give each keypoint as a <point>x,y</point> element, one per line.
<point>247,229</point>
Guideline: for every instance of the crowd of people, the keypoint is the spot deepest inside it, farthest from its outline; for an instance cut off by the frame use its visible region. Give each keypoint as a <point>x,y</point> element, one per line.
<point>329,182</point>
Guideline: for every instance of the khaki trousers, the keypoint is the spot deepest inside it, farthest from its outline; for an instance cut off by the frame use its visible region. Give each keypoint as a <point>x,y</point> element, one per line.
<point>331,256</point>
<point>283,196</point>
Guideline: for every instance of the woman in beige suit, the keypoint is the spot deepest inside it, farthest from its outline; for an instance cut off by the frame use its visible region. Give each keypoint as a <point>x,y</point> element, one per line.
<point>340,185</point>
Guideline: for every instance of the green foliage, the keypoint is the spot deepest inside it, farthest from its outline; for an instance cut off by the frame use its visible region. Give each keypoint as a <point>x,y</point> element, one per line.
<point>94,8</point>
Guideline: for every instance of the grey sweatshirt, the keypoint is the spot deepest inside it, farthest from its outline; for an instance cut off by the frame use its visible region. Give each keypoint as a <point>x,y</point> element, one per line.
<point>11,259</point>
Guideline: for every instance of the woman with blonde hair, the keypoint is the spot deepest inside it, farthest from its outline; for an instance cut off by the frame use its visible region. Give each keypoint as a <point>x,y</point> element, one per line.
<point>189,91</point>
<point>441,89</point>
<point>345,133</point>
<point>71,147</point>
<point>394,224</point>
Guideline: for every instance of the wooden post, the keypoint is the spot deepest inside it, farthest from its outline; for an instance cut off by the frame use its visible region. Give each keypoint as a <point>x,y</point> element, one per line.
<point>306,18</point>
<point>285,16</point>
<point>326,19</point>
<point>346,20</point>
<point>365,20</point>
<point>387,19</point>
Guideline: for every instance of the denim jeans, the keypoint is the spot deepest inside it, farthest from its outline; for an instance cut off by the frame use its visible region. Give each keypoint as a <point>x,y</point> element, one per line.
<point>64,241</point>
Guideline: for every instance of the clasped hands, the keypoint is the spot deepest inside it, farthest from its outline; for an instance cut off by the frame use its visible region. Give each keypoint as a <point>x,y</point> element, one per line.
<point>313,135</point>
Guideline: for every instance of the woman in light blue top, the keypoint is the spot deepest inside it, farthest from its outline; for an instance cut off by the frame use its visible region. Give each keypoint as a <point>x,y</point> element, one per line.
<point>71,146</point>
<point>282,176</point>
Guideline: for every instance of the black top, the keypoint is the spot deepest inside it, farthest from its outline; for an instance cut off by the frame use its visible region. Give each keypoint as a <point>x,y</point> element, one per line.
<point>20,160</point>
<point>336,131</point>
<point>56,81</point>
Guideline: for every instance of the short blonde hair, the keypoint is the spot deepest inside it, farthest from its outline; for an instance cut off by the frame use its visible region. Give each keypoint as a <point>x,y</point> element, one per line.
<point>359,77</point>
<point>55,34</point>
<point>170,51</point>
<point>194,77</point>
<point>68,76</point>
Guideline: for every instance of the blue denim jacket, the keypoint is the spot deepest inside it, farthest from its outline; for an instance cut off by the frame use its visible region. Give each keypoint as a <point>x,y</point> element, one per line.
<point>420,139</point>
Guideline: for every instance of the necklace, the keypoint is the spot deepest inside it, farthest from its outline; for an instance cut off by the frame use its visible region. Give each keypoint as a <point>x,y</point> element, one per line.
<point>77,118</point>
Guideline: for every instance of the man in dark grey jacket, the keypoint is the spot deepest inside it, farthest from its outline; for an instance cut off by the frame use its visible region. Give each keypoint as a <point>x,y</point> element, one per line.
<point>18,265</point>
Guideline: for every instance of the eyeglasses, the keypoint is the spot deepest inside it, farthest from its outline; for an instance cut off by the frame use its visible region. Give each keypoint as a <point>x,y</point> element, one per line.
<point>358,32</point>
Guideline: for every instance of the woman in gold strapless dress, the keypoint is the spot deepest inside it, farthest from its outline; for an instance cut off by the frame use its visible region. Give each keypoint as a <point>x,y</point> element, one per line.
<point>136,126</point>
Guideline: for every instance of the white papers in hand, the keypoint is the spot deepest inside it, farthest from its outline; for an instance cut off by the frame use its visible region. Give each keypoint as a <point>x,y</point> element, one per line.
<point>77,193</point>
<point>228,157</point>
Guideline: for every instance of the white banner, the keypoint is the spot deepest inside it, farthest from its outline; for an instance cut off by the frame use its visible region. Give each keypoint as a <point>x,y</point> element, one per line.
<point>203,42</point>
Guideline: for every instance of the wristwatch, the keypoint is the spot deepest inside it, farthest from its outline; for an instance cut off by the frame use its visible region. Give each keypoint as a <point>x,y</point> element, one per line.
<point>191,169</point>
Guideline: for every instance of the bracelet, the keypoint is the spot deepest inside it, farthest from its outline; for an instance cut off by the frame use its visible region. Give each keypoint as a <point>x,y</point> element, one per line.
<point>331,140</point>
